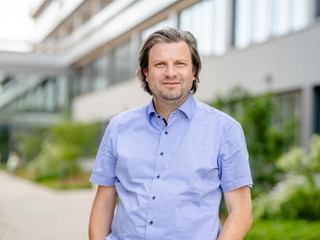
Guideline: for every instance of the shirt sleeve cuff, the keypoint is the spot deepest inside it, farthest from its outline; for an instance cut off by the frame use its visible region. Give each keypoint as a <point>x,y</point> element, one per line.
<point>230,186</point>
<point>102,181</point>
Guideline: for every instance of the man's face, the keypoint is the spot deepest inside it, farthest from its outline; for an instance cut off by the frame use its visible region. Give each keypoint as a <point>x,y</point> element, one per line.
<point>169,74</point>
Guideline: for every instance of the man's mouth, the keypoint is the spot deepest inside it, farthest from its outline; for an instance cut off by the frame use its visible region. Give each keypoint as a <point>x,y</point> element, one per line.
<point>170,83</point>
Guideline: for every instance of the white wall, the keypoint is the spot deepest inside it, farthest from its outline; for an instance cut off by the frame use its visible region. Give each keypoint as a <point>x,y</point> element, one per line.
<point>104,104</point>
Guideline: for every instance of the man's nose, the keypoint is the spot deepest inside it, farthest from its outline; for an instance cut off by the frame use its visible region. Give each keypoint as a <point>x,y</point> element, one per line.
<point>170,71</point>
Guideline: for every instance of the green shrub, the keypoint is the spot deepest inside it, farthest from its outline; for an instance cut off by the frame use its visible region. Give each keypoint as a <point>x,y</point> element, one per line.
<point>60,151</point>
<point>297,194</point>
<point>29,142</point>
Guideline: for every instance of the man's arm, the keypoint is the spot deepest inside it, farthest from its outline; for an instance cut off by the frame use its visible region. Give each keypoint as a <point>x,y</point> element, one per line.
<point>239,219</point>
<point>102,212</point>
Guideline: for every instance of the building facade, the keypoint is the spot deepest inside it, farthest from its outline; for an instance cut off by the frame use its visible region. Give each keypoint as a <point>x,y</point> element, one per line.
<point>87,51</point>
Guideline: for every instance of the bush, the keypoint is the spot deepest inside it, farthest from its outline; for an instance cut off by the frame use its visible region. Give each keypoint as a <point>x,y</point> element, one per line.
<point>30,141</point>
<point>59,152</point>
<point>297,194</point>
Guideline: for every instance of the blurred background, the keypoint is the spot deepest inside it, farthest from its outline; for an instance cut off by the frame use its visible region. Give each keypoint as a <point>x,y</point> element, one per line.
<point>67,67</point>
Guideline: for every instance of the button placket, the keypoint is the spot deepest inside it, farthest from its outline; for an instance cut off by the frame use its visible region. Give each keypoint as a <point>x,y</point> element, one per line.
<point>154,213</point>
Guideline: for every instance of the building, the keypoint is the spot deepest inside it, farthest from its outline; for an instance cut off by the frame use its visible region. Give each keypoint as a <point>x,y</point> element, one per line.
<point>87,52</point>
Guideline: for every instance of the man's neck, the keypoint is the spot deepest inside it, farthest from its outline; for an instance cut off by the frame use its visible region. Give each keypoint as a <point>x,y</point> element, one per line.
<point>165,108</point>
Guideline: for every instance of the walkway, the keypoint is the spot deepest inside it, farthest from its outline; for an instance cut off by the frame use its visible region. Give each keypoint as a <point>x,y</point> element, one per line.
<point>32,212</point>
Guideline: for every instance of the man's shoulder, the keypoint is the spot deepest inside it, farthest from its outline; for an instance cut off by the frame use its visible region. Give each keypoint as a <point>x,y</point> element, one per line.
<point>211,112</point>
<point>130,115</point>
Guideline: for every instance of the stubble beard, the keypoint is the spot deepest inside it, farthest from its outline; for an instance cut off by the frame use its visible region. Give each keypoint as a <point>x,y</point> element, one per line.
<point>171,96</point>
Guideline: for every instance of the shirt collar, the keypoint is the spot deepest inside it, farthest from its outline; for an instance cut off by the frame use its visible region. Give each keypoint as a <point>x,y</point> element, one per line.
<point>188,107</point>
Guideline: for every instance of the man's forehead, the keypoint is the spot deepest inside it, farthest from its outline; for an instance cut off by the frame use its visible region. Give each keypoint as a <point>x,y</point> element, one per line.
<point>163,43</point>
<point>170,48</point>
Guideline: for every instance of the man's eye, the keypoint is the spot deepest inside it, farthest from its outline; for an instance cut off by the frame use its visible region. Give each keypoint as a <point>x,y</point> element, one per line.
<point>159,64</point>
<point>181,64</point>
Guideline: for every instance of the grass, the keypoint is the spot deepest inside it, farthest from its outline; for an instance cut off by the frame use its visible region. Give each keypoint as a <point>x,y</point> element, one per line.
<point>80,181</point>
<point>284,229</point>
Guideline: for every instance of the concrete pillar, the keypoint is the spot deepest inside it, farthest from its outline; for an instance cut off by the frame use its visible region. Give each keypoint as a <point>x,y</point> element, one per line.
<point>307,115</point>
<point>134,51</point>
<point>311,10</point>
<point>229,24</point>
<point>174,19</point>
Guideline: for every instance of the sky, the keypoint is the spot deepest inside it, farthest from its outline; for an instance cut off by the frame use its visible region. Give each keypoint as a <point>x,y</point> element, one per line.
<point>15,23</point>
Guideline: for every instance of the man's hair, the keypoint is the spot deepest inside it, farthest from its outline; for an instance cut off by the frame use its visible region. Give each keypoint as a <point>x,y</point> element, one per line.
<point>169,35</point>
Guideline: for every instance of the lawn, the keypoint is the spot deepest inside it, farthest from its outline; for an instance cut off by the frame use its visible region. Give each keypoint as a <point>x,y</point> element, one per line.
<point>55,182</point>
<point>284,230</point>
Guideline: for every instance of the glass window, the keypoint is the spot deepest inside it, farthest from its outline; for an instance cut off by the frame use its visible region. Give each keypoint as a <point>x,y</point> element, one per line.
<point>299,16</point>
<point>317,14</point>
<point>39,98</point>
<point>257,20</point>
<point>62,92</point>
<point>288,111</point>
<point>122,63</point>
<point>261,20</point>
<point>86,78</point>
<point>243,23</point>
<point>281,22</point>
<point>207,21</point>
<point>317,110</point>
<point>100,73</point>
<point>30,100</point>
<point>50,95</point>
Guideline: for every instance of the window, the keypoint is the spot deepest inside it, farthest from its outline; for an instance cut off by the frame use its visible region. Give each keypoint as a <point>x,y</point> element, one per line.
<point>288,111</point>
<point>317,8</point>
<point>257,20</point>
<point>62,92</point>
<point>317,110</point>
<point>121,63</point>
<point>207,21</point>
<point>100,70</point>
<point>86,79</point>
<point>50,95</point>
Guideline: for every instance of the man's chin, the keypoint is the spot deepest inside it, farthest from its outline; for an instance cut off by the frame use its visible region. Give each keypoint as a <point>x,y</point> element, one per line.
<point>173,97</point>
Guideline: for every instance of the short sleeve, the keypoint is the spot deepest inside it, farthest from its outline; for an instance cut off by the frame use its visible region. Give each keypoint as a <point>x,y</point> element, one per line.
<point>234,169</point>
<point>103,172</point>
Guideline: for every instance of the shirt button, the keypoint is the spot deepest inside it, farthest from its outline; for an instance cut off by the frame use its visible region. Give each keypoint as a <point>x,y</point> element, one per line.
<point>158,176</point>
<point>151,222</point>
<point>161,153</point>
<point>166,133</point>
<point>153,198</point>
<point>159,116</point>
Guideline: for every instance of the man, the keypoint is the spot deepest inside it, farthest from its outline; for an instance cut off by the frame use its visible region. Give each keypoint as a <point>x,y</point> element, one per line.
<point>170,161</point>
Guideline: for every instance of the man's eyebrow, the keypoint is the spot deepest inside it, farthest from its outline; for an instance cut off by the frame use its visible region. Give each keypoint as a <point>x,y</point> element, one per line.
<point>182,60</point>
<point>177,60</point>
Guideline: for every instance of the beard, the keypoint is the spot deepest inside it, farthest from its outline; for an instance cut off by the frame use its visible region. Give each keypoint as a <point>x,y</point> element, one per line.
<point>173,94</point>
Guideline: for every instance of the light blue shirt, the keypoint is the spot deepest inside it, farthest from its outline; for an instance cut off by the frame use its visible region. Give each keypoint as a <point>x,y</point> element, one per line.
<point>170,176</point>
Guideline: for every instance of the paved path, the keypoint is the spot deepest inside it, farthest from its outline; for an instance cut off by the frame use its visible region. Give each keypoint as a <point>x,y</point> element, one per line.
<point>32,212</point>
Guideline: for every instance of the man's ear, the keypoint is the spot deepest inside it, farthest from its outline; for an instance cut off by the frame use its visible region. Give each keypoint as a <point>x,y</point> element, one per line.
<point>145,72</point>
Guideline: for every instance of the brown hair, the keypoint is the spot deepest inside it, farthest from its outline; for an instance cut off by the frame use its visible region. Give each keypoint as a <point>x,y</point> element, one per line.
<point>169,35</point>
